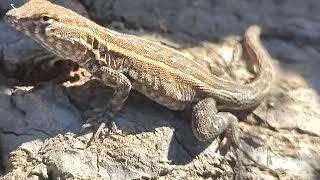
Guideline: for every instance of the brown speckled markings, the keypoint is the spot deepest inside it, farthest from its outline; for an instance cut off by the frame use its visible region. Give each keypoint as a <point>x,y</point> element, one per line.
<point>163,74</point>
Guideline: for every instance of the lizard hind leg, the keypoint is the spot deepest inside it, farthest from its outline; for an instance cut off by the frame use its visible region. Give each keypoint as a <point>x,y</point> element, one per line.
<point>208,123</point>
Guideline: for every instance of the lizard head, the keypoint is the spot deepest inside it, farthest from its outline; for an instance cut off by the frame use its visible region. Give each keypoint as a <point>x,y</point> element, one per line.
<point>48,24</point>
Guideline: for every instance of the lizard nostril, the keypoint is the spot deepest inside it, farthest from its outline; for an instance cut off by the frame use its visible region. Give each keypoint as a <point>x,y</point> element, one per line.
<point>11,16</point>
<point>12,12</point>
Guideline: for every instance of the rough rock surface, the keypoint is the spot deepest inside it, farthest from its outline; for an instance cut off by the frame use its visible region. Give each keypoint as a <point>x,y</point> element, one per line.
<point>39,126</point>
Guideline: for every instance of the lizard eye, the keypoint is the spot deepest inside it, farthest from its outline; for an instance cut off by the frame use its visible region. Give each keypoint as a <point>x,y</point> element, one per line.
<point>46,19</point>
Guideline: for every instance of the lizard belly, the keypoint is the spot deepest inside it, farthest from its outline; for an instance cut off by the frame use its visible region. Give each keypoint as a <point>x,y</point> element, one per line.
<point>159,96</point>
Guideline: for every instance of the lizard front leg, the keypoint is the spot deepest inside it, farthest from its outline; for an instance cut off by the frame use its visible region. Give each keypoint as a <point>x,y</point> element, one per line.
<point>115,79</point>
<point>119,82</point>
<point>208,123</point>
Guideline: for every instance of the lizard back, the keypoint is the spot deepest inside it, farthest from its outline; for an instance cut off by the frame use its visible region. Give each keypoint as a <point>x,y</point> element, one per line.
<point>178,77</point>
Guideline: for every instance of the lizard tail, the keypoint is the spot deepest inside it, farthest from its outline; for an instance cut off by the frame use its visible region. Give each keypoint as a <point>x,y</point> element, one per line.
<point>258,55</point>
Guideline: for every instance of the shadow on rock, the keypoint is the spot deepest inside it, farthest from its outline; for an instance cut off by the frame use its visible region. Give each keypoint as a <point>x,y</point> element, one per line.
<point>140,115</point>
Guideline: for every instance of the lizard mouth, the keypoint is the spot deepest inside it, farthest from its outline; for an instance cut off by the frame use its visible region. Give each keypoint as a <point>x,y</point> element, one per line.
<point>21,25</point>
<point>13,22</point>
<point>9,20</point>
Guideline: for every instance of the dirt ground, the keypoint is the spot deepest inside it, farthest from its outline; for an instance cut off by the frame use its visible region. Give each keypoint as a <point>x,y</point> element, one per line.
<point>40,121</point>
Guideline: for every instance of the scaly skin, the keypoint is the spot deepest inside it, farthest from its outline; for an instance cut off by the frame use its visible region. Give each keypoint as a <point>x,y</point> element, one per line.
<point>163,74</point>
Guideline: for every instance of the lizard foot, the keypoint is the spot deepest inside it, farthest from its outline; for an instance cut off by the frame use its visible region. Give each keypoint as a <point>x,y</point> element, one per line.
<point>101,124</point>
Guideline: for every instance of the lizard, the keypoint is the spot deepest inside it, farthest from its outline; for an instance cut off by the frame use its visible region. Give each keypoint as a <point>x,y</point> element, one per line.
<point>166,76</point>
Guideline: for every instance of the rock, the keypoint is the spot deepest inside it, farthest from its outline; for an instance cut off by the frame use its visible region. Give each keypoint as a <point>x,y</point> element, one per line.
<point>31,115</point>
